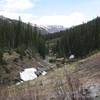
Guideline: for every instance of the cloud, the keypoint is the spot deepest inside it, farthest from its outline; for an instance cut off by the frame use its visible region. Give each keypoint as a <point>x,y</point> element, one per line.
<point>26,17</point>
<point>16,5</point>
<point>66,21</point>
<point>15,8</point>
<point>74,18</point>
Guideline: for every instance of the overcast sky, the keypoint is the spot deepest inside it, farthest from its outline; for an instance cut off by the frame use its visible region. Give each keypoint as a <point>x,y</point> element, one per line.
<point>51,12</point>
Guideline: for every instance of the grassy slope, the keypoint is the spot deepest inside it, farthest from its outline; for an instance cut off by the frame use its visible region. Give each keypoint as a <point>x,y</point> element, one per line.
<point>86,70</point>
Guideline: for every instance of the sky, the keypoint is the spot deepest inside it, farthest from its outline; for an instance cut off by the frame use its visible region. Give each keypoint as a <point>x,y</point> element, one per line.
<point>51,12</point>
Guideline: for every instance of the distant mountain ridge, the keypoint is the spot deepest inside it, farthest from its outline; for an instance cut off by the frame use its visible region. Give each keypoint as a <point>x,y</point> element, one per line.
<point>54,28</point>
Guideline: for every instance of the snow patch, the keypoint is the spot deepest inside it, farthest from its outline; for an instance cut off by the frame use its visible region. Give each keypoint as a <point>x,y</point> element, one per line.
<point>28,74</point>
<point>94,90</point>
<point>44,73</point>
<point>71,56</point>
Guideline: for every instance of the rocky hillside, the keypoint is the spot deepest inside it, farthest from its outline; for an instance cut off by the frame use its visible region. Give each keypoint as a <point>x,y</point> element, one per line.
<point>14,64</point>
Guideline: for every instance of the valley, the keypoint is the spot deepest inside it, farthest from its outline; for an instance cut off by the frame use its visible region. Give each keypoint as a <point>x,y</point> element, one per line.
<point>38,65</point>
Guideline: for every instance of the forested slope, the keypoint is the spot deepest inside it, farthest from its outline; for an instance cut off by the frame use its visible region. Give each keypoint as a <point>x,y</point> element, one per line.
<point>78,40</point>
<point>18,35</point>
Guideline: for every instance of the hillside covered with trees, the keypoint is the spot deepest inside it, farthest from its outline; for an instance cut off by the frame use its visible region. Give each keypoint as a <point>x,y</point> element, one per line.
<point>78,40</point>
<point>20,36</point>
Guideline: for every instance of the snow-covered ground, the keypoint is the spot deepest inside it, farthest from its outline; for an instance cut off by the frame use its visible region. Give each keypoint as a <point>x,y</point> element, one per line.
<point>28,74</point>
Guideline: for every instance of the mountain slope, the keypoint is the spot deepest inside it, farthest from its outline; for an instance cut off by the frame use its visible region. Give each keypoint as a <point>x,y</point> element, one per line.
<point>87,71</point>
<point>79,40</point>
<point>18,40</point>
<point>43,30</point>
<point>54,28</point>
<point>15,34</point>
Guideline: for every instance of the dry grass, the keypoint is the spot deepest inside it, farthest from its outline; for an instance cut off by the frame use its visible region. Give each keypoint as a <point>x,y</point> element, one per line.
<point>45,88</point>
<point>61,84</point>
